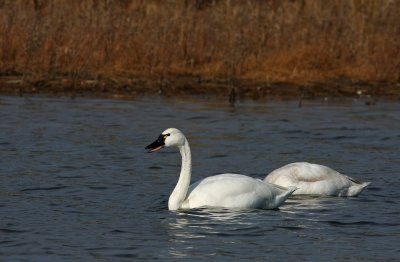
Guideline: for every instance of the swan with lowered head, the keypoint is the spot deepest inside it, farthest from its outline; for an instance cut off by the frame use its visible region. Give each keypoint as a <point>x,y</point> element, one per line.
<point>224,190</point>
<point>314,179</point>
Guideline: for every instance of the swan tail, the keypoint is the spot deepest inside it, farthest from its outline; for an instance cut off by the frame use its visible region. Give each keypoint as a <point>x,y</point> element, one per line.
<point>287,192</point>
<point>357,188</point>
<point>292,189</point>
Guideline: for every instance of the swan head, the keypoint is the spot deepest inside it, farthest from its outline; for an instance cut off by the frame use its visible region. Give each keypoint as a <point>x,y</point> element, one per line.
<point>169,138</point>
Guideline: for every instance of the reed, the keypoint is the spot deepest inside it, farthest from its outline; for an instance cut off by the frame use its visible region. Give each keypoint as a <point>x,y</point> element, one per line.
<point>299,42</point>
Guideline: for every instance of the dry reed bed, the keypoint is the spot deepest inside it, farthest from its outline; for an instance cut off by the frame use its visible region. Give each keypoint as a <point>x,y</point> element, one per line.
<point>137,45</point>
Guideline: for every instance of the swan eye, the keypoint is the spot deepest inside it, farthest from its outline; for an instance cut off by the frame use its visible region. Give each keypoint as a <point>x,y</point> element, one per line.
<point>166,135</point>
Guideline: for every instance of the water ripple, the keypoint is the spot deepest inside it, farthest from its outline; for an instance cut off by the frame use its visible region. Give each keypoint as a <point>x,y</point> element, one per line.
<point>43,188</point>
<point>76,183</point>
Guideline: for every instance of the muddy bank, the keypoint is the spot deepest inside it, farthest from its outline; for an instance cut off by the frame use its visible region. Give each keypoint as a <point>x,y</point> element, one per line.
<point>183,86</point>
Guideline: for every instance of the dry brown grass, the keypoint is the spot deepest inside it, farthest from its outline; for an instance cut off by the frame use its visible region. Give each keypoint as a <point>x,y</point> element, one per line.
<point>269,41</point>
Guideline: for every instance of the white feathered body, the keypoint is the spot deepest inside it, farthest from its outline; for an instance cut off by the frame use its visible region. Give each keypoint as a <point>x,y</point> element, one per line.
<point>314,179</point>
<point>225,190</point>
<point>235,191</point>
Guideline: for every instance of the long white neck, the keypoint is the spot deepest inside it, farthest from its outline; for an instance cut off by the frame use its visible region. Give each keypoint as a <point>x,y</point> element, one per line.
<point>179,194</point>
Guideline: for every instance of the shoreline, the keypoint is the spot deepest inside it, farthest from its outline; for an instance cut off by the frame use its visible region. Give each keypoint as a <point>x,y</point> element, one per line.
<point>194,86</point>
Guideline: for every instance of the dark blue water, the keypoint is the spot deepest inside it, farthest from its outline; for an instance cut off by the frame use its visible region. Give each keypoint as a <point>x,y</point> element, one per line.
<point>77,184</point>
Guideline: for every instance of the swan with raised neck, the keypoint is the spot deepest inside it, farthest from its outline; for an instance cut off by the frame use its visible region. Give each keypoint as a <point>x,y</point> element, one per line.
<point>224,190</point>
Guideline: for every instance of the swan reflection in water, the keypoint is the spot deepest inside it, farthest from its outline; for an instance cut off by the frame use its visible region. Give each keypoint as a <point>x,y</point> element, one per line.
<point>310,204</point>
<point>207,218</point>
<point>298,216</point>
<point>186,229</point>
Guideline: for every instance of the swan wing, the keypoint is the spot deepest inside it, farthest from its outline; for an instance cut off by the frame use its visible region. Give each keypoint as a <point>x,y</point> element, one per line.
<point>235,191</point>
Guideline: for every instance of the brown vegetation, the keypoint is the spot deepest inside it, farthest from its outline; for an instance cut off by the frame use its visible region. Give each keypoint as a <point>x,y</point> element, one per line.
<point>202,45</point>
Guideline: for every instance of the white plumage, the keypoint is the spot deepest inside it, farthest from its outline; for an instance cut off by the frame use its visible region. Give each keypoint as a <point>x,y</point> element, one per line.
<point>224,190</point>
<point>235,191</point>
<point>314,179</point>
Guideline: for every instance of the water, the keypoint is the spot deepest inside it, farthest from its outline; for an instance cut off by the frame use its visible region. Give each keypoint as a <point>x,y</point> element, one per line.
<point>77,184</point>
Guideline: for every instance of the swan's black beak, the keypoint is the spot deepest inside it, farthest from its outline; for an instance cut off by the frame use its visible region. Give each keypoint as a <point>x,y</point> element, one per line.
<point>156,145</point>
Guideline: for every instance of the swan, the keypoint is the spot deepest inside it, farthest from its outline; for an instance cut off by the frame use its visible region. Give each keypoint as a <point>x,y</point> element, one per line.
<point>224,190</point>
<point>315,179</point>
